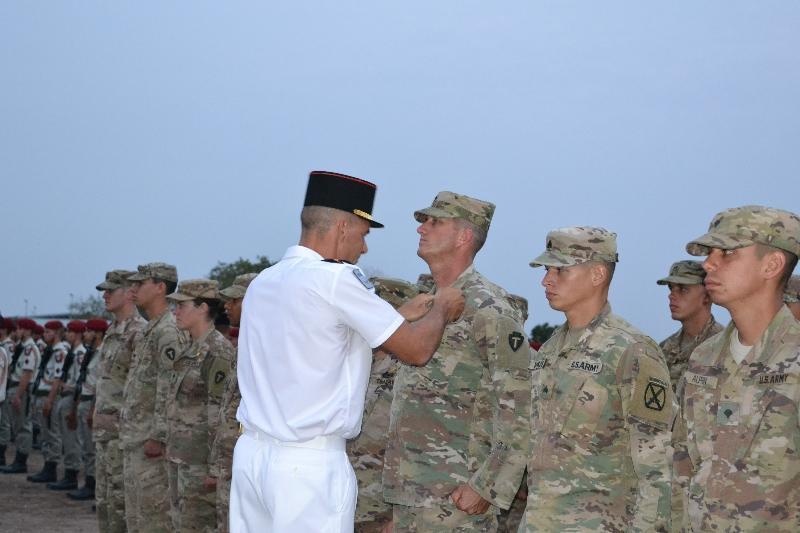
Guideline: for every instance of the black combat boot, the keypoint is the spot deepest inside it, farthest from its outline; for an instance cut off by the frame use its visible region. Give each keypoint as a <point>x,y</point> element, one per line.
<point>70,481</point>
<point>84,493</point>
<point>2,455</point>
<point>19,466</point>
<point>46,475</point>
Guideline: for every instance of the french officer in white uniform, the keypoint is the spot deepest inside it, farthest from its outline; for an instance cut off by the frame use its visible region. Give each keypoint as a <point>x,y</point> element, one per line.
<point>309,325</point>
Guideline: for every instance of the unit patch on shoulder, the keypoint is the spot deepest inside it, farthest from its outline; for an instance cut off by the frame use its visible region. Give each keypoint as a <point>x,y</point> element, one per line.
<point>655,395</point>
<point>170,353</point>
<point>515,340</point>
<point>363,279</point>
<point>219,377</point>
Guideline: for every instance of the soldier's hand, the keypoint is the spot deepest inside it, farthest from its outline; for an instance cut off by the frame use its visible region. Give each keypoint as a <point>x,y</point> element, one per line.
<point>417,307</point>
<point>453,300</point>
<point>388,527</point>
<point>210,483</point>
<point>153,448</point>
<point>16,403</point>
<point>469,501</point>
<point>72,421</point>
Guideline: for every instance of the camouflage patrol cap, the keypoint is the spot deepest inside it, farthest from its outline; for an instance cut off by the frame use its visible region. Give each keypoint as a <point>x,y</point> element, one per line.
<point>115,279</point>
<point>191,289</point>
<point>451,205</point>
<point>425,283</point>
<point>576,245</point>
<point>792,293</point>
<point>238,287</point>
<point>748,225</point>
<point>162,271</point>
<point>685,273</point>
<point>395,291</point>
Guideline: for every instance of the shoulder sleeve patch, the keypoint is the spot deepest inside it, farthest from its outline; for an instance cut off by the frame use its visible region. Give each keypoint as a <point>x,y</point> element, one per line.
<point>218,374</point>
<point>363,279</point>
<point>512,348</point>
<point>651,400</point>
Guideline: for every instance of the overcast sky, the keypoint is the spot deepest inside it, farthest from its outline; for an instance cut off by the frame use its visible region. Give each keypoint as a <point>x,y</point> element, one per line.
<point>184,132</point>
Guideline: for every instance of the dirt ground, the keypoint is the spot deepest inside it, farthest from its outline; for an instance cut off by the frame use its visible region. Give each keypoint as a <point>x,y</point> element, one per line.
<point>31,507</point>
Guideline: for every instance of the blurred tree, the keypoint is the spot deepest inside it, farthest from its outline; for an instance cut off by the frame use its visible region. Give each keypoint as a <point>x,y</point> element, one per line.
<point>90,306</point>
<point>541,332</point>
<point>226,272</point>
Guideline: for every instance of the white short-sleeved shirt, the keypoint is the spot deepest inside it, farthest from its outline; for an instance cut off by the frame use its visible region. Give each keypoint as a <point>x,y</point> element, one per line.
<point>305,347</point>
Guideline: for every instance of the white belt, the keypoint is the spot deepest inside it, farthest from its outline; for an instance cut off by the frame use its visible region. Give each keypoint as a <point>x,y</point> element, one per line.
<point>325,442</point>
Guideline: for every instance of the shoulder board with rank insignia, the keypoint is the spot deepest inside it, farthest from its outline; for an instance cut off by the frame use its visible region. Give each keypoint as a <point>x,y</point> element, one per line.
<point>363,279</point>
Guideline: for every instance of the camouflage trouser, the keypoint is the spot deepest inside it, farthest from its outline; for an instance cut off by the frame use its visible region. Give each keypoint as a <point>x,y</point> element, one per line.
<point>192,505</point>
<point>509,521</point>
<point>17,424</point>
<point>85,442</point>
<point>49,439</point>
<point>67,438</point>
<point>223,499</point>
<point>442,518</point>
<point>110,489</point>
<point>5,422</point>
<point>146,491</point>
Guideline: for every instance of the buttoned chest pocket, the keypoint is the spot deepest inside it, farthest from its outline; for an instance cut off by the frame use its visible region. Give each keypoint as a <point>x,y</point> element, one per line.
<point>587,401</point>
<point>771,434</point>
<point>190,384</point>
<point>145,367</point>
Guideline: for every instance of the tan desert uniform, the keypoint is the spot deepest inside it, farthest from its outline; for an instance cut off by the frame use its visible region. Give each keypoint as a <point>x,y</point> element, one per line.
<point>143,416</point>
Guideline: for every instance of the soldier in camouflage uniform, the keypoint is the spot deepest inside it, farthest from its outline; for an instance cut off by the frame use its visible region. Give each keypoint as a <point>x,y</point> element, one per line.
<point>508,520</point>
<point>602,402</point>
<point>458,435</point>
<point>7,330</point>
<point>200,374</point>
<point>737,436</point>
<point>221,455</point>
<point>690,304</point>
<point>366,451</point>
<point>792,296</point>
<point>25,361</point>
<point>115,362</point>
<point>143,423</point>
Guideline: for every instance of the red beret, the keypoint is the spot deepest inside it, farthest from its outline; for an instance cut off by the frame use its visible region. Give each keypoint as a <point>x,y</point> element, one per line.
<point>9,324</point>
<point>233,333</point>
<point>26,323</point>
<point>96,324</point>
<point>53,324</point>
<point>38,329</point>
<point>76,326</point>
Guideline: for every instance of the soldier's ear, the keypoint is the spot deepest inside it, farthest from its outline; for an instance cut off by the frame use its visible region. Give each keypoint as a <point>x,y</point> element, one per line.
<point>599,274</point>
<point>773,264</point>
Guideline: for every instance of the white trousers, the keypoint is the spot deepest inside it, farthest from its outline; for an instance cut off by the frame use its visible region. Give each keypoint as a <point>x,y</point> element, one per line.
<point>291,487</point>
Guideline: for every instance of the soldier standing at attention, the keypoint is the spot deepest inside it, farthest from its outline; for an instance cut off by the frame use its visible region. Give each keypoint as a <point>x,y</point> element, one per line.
<point>81,416</point>
<point>221,455</point>
<point>118,344</point>
<point>24,362</point>
<point>44,399</point>
<point>143,423</point>
<point>792,296</point>
<point>602,402</point>
<point>7,330</point>
<point>690,304</point>
<point>309,324</point>
<point>200,373</point>
<point>458,436</point>
<point>737,436</point>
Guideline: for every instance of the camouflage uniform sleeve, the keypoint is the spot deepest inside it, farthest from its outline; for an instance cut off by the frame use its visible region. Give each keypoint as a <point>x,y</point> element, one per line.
<point>217,377</point>
<point>169,346</point>
<point>682,468</point>
<point>505,346</point>
<point>648,405</point>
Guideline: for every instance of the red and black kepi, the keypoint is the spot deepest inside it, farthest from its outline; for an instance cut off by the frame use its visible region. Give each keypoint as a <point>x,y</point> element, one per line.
<point>331,189</point>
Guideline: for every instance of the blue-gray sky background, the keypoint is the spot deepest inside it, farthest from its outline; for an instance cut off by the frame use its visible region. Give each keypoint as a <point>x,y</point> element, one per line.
<point>184,131</point>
